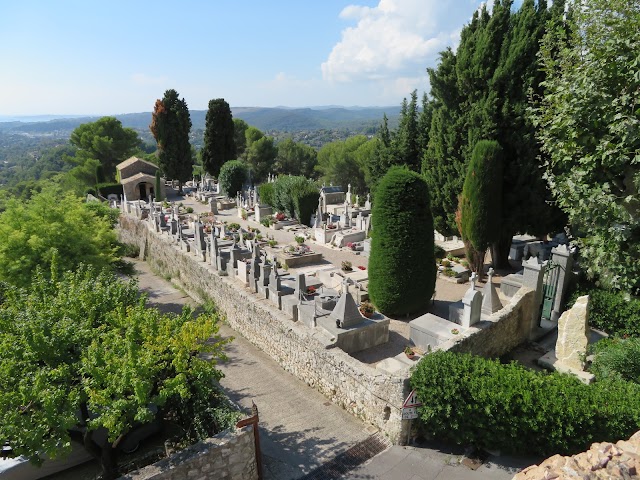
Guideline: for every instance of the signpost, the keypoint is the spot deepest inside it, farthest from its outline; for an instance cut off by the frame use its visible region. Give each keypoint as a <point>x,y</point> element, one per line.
<point>410,410</point>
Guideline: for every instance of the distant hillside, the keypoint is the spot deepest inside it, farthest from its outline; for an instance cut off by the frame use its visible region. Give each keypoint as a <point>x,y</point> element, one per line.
<point>267,119</point>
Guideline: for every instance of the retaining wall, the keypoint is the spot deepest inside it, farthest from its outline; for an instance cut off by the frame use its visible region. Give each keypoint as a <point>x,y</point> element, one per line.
<point>230,455</point>
<point>363,391</point>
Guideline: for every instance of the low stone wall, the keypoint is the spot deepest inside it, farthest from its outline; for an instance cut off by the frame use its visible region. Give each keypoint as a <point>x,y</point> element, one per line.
<point>229,455</point>
<point>501,332</point>
<point>602,461</point>
<point>365,392</point>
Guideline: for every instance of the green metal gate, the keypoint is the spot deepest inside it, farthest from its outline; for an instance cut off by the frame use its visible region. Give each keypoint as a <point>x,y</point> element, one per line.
<point>549,288</point>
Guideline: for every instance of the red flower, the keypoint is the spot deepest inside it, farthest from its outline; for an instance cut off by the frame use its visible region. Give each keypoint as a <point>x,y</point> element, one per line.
<point>361,267</point>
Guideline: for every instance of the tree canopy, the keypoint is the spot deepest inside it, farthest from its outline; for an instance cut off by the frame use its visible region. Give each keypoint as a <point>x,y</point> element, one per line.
<point>590,129</point>
<point>482,91</point>
<point>81,351</point>
<point>170,127</point>
<point>345,162</point>
<point>219,140</point>
<point>106,141</point>
<point>295,159</point>
<point>50,223</point>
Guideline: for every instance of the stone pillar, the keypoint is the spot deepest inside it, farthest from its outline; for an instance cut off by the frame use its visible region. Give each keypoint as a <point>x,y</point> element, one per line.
<point>561,256</point>
<point>573,325</point>
<point>213,206</point>
<point>265,271</point>
<point>533,278</point>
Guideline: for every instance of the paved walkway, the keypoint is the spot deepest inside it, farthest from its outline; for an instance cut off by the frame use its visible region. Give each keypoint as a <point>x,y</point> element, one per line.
<point>302,432</point>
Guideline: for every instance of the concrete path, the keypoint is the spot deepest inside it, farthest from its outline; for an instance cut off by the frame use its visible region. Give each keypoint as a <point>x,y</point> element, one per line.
<point>300,428</point>
<point>302,432</point>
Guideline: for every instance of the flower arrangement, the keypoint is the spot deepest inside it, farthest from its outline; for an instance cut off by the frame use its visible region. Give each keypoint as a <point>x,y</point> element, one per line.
<point>409,352</point>
<point>311,290</point>
<point>346,266</point>
<point>280,216</point>
<point>367,309</point>
<point>351,246</point>
<point>362,267</point>
<point>243,214</point>
<point>331,226</point>
<point>234,227</point>
<point>455,331</point>
<point>299,240</point>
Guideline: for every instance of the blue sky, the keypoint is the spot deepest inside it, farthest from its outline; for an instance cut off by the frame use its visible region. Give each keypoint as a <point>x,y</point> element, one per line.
<point>111,57</point>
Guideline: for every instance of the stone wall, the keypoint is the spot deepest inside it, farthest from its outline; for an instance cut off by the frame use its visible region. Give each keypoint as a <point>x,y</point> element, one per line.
<point>602,461</point>
<point>501,332</point>
<point>229,455</point>
<point>363,391</point>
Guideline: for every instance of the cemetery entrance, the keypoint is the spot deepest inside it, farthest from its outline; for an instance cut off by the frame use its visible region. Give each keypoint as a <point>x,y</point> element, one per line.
<point>550,288</point>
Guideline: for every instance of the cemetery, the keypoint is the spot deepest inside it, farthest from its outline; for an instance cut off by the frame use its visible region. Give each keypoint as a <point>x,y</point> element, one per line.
<point>298,301</point>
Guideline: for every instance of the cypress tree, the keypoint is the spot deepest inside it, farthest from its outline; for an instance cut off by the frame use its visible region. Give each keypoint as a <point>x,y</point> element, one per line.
<point>158,187</point>
<point>170,126</point>
<point>402,269</point>
<point>481,202</point>
<point>219,142</point>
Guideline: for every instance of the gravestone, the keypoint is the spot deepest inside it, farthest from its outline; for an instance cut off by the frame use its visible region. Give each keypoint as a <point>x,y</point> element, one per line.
<point>301,285</point>
<point>472,302</point>
<point>573,325</point>
<point>491,302</point>
<point>346,313</point>
<point>213,206</point>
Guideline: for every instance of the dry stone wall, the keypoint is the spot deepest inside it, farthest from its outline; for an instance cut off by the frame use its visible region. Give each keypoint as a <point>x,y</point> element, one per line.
<point>602,461</point>
<point>365,392</point>
<point>230,455</point>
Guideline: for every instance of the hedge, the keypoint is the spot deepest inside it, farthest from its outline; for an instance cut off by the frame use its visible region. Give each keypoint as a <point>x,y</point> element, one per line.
<point>402,268</point>
<point>474,401</point>
<point>110,188</point>
<point>612,311</point>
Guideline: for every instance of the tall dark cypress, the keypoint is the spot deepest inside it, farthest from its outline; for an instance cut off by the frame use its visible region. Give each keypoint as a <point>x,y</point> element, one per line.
<point>219,142</point>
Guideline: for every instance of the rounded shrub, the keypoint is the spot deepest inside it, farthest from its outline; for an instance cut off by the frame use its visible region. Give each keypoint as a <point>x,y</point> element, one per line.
<point>296,196</point>
<point>232,176</point>
<point>480,203</point>
<point>265,191</point>
<point>402,268</point>
<point>479,402</point>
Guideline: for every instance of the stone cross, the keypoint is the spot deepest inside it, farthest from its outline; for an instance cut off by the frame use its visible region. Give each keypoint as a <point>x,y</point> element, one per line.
<point>474,279</point>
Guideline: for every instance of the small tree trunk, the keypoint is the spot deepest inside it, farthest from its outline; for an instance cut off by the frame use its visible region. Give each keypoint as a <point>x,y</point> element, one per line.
<point>500,252</point>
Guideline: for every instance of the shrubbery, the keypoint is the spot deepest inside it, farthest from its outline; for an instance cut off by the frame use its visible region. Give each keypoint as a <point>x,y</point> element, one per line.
<point>474,401</point>
<point>265,192</point>
<point>232,176</point>
<point>402,268</point>
<point>295,196</point>
<point>617,358</point>
<point>612,312</point>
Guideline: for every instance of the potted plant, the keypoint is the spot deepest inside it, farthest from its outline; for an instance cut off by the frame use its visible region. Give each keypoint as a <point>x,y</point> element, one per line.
<point>346,266</point>
<point>410,353</point>
<point>299,240</point>
<point>367,309</point>
<point>280,216</point>
<point>311,290</point>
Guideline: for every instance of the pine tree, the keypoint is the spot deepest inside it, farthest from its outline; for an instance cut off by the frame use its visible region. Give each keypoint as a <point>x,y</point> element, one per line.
<point>170,127</point>
<point>219,143</point>
<point>406,140</point>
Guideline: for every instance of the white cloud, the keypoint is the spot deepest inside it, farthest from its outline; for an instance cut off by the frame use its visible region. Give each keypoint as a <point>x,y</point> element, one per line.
<point>395,39</point>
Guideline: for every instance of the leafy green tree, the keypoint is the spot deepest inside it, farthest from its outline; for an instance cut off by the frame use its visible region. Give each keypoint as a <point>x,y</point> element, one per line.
<point>233,174</point>
<point>588,126</point>
<point>340,163</point>
<point>170,126</point>
<point>481,202</point>
<point>402,268</point>
<point>219,141</point>
<point>81,351</point>
<point>381,157</point>
<point>295,196</point>
<point>239,130</point>
<point>50,223</point>
<point>261,156</point>
<point>295,159</point>
<point>106,141</point>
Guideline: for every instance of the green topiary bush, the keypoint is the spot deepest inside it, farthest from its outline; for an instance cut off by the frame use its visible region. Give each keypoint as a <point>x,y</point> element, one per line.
<point>305,202</point>
<point>402,268</point>
<point>232,176</point>
<point>474,401</point>
<point>480,203</point>
<point>265,192</point>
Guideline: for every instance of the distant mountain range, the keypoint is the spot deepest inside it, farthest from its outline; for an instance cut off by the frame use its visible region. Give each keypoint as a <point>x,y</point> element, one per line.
<point>280,119</point>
